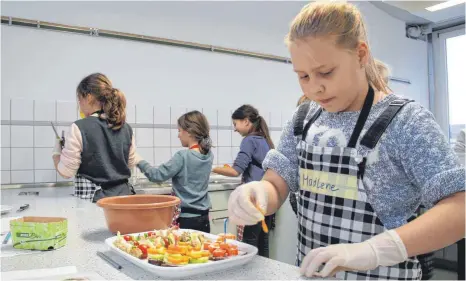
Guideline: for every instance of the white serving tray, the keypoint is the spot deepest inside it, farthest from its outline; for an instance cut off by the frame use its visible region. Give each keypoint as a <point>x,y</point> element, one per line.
<point>191,269</point>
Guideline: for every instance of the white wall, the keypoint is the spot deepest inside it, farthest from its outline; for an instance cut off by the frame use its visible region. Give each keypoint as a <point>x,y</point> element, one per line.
<point>45,65</point>
<point>148,72</point>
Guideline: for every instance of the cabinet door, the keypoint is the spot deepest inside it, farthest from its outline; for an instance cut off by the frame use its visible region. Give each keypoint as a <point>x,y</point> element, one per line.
<point>217,221</point>
<point>219,199</point>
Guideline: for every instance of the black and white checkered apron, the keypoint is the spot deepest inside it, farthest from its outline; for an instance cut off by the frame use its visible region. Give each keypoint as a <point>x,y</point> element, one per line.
<point>333,206</point>
<point>84,188</point>
<point>88,190</point>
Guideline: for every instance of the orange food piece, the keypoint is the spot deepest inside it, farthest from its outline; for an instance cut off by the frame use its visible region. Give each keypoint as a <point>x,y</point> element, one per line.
<point>224,246</point>
<point>219,253</point>
<point>174,249</point>
<point>233,251</point>
<point>213,247</point>
<point>206,245</point>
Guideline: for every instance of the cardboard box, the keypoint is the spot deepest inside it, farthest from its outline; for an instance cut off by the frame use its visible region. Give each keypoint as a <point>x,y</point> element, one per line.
<point>39,233</point>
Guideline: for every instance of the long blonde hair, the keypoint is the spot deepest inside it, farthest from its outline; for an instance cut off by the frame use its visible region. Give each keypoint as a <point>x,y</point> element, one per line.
<point>342,20</point>
<point>383,70</point>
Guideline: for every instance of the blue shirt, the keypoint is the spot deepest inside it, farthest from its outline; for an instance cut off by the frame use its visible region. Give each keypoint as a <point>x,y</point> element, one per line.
<point>252,152</point>
<point>190,173</point>
<point>412,163</point>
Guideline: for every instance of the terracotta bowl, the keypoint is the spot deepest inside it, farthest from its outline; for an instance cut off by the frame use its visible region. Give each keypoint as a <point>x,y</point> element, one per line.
<point>138,213</point>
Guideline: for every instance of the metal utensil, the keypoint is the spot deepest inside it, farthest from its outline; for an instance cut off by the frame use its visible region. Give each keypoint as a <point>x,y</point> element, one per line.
<point>109,260</point>
<point>22,208</point>
<point>62,138</point>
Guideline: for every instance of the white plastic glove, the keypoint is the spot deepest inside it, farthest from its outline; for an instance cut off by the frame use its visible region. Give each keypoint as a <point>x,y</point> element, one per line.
<point>57,148</point>
<point>385,249</point>
<point>243,202</point>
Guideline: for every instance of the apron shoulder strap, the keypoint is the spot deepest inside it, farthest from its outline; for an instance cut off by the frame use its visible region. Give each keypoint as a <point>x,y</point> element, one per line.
<point>375,132</point>
<point>300,117</point>
<point>300,129</point>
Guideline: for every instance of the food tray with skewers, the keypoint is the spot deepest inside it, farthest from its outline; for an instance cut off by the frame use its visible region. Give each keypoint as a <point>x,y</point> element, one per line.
<point>179,253</point>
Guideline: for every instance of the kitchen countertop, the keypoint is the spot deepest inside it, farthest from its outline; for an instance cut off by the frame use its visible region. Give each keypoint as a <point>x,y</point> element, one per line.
<point>86,234</point>
<point>148,189</point>
<point>142,188</point>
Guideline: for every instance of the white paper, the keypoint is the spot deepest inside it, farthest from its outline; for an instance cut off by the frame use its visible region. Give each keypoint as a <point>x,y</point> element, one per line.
<point>38,273</point>
<point>6,224</point>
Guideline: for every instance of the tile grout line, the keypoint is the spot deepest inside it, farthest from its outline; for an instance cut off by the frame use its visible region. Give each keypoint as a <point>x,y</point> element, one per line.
<point>170,132</point>
<point>11,150</point>
<point>135,136</point>
<point>33,142</point>
<point>56,121</point>
<point>153,135</point>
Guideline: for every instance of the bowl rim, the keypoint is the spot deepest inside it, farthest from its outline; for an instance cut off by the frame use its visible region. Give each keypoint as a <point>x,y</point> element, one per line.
<point>104,202</point>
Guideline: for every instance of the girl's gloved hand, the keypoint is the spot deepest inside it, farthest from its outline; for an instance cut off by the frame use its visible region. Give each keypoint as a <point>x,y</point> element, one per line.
<point>385,249</point>
<point>57,148</point>
<point>243,203</point>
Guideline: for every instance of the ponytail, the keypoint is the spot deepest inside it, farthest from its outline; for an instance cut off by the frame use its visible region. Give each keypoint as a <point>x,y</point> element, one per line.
<point>383,70</point>
<point>196,124</point>
<point>375,77</point>
<point>114,108</point>
<point>112,101</point>
<point>264,130</point>
<point>205,144</point>
<point>259,125</point>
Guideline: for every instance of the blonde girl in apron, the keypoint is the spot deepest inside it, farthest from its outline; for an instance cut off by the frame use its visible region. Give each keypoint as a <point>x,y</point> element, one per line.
<point>362,160</point>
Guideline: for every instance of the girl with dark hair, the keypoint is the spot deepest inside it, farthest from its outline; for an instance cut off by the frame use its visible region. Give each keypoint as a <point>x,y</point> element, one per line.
<point>254,146</point>
<point>189,170</point>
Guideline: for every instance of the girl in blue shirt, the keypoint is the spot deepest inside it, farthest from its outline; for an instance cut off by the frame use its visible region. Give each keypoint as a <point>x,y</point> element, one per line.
<point>248,163</point>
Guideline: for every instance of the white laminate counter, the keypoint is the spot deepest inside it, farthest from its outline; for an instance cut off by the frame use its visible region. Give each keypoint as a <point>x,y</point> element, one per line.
<point>86,234</point>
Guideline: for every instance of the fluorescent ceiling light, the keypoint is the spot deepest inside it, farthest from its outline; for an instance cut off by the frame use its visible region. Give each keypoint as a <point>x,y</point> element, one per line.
<point>444,5</point>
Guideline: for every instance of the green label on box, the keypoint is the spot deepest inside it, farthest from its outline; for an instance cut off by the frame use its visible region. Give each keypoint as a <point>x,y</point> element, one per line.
<point>39,235</point>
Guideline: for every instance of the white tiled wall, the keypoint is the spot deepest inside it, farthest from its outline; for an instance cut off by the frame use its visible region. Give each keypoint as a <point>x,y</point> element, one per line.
<point>45,110</point>
<point>5,136</point>
<point>26,146</point>
<point>22,109</point>
<point>22,136</point>
<point>160,137</point>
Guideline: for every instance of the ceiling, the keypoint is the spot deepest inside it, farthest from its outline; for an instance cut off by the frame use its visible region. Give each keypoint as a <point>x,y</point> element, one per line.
<point>414,12</point>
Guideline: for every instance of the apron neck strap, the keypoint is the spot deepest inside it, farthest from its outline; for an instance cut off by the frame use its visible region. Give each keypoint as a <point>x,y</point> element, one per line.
<point>194,146</point>
<point>366,109</point>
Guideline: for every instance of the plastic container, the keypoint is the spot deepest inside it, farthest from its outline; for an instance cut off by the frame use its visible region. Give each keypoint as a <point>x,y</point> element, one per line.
<point>138,213</point>
<point>39,233</point>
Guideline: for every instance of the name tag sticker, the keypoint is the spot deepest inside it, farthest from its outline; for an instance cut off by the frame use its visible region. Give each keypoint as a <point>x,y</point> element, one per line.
<point>332,184</point>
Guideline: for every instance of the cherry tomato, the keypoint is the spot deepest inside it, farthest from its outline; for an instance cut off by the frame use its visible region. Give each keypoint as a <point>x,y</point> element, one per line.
<point>127,238</point>
<point>150,233</point>
<point>219,253</point>
<point>143,249</point>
